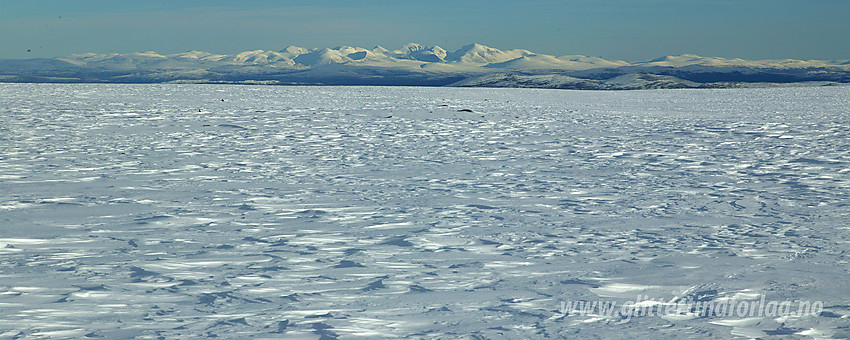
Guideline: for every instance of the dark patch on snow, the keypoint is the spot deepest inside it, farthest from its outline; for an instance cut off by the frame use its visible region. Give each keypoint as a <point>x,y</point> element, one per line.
<point>474,264</point>
<point>138,274</point>
<point>291,297</point>
<point>281,327</point>
<point>348,264</point>
<point>418,289</point>
<point>323,330</point>
<point>352,251</point>
<point>98,287</point>
<point>377,284</point>
<point>311,213</point>
<point>317,316</point>
<point>705,295</point>
<point>580,282</point>
<point>210,298</point>
<point>233,126</point>
<point>783,331</point>
<point>397,241</point>
<point>827,314</point>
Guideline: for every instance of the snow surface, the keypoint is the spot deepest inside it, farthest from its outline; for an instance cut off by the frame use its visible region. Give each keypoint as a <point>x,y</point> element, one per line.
<point>183,211</point>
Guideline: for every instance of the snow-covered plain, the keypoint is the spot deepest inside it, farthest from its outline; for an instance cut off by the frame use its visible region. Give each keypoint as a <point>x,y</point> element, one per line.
<point>183,211</point>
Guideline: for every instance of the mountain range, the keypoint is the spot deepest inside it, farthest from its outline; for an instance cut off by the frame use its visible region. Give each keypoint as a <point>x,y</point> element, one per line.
<point>418,65</point>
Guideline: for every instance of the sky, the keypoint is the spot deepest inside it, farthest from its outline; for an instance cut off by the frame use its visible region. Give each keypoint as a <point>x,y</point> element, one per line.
<point>631,30</point>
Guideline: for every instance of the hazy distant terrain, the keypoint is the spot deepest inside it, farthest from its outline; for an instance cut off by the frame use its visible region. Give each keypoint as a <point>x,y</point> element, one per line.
<point>472,65</point>
<point>189,211</point>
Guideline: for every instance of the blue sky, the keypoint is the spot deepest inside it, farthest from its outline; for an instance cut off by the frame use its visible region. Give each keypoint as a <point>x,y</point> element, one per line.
<point>631,30</point>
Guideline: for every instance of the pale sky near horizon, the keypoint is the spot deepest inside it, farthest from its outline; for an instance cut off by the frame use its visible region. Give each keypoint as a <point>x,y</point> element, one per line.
<point>631,30</point>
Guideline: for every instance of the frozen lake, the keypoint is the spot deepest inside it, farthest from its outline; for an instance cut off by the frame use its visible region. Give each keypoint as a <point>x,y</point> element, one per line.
<point>187,211</point>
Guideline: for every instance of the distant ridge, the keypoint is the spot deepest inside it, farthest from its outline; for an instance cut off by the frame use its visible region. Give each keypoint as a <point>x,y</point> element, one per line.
<point>415,64</point>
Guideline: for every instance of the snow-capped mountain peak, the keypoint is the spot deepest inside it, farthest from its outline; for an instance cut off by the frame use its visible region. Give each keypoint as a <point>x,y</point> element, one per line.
<point>321,57</point>
<point>409,48</point>
<point>379,49</point>
<point>417,64</point>
<point>294,50</point>
<point>480,54</point>
<point>192,55</point>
